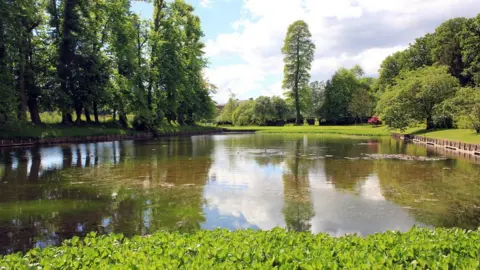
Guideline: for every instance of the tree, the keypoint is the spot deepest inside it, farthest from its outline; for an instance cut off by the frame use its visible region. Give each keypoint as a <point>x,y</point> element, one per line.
<point>280,108</point>
<point>466,105</point>
<point>362,103</point>
<point>8,30</point>
<point>244,113</point>
<point>298,53</point>
<point>263,110</point>
<point>390,69</point>
<point>317,97</point>
<point>92,56</point>
<point>340,91</point>
<point>448,48</point>
<point>227,111</point>
<point>470,46</point>
<point>417,96</point>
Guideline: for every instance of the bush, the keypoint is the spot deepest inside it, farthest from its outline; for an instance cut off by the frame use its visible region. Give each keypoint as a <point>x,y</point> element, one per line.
<point>147,121</point>
<point>242,249</point>
<point>374,121</point>
<point>311,121</point>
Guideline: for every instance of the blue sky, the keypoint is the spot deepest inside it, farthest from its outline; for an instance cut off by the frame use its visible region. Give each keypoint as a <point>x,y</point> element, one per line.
<point>244,37</point>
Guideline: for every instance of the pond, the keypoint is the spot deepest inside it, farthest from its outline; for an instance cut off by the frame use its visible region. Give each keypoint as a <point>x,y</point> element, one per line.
<point>316,183</point>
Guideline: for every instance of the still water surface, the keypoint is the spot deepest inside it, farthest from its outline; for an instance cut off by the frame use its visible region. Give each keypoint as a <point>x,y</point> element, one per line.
<point>318,183</point>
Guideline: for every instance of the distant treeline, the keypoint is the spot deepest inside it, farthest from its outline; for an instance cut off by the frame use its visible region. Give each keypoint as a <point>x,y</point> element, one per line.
<point>82,57</point>
<point>435,82</point>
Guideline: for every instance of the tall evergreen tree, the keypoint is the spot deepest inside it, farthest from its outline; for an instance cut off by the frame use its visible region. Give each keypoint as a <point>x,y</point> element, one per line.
<point>298,50</point>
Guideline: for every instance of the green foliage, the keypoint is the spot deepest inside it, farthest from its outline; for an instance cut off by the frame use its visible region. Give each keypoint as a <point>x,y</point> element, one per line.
<point>221,249</point>
<point>144,121</point>
<point>298,50</point>
<point>263,110</point>
<point>417,96</point>
<point>226,115</point>
<point>85,57</point>
<point>280,108</point>
<point>466,105</point>
<point>348,97</point>
<point>317,92</point>
<point>244,113</point>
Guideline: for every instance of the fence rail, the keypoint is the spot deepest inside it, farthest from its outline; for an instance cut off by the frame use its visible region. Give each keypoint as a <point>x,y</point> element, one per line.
<point>468,148</point>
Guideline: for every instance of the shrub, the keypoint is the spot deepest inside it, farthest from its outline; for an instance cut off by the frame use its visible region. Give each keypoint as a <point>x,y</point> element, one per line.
<point>147,121</point>
<point>374,121</point>
<point>222,249</point>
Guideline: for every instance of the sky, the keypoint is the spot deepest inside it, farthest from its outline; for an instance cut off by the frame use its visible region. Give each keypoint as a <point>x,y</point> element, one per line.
<point>244,37</point>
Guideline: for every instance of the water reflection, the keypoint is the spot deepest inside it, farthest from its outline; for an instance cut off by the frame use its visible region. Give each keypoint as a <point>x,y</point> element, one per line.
<point>315,183</point>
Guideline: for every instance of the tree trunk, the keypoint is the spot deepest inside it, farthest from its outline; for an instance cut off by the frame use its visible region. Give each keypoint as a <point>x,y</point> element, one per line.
<point>158,6</point>
<point>430,123</point>
<point>95,112</point>
<point>34,112</point>
<point>78,112</point>
<point>114,115</point>
<point>67,118</point>
<point>122,117</point>
<point>297,79</point>
<point>181,118</point>
<point>66,45</point>
<point>88,116</point>
<point>22,107</point>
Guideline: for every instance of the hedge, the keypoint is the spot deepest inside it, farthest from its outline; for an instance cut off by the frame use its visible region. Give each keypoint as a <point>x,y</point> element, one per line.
<point>222,249</point>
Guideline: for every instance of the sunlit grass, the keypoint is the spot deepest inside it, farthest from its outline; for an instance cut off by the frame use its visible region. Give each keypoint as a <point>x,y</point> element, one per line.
<point>463,135</point>
<point>362,130</point>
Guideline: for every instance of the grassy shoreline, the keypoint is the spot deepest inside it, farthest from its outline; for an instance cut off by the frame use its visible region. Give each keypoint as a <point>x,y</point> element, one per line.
<point>275,249</point>
<point>461,135</point>
<point>29,131</point>
<point>47,131</point>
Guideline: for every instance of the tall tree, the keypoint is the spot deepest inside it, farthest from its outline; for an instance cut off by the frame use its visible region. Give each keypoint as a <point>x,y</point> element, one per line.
<point>339,94</point>
<point>298,50</point>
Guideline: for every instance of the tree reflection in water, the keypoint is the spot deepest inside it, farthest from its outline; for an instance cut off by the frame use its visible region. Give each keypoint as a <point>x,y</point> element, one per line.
<point>53,193</point>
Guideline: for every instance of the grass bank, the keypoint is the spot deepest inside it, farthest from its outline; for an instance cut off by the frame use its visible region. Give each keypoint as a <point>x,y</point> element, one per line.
<point>461,135</point>
<point>248,249</point>
<point>361,130</point>
<point>43,131</point>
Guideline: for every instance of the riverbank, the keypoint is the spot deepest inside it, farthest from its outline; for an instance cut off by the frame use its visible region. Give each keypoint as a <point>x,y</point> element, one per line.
<point>56,133</point>
<point>360,130</point>
<point>460,135</point>
<point>223,249</point>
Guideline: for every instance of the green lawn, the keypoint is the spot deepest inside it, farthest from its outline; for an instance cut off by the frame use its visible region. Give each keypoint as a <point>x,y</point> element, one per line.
<point>56,130</point>
<point>362,130</point>
<point>462,135</point>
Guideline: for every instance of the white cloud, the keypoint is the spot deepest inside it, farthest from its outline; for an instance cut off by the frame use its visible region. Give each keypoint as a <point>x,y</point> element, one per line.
<point>205,3</point>
<point>345,32</point>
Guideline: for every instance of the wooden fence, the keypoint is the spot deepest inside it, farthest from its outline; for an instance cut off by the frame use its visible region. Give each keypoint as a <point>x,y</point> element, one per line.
<point>467,148</point>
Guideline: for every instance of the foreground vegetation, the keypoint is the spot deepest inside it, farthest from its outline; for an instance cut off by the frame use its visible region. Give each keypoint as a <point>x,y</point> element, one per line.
<point>222,249</point>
